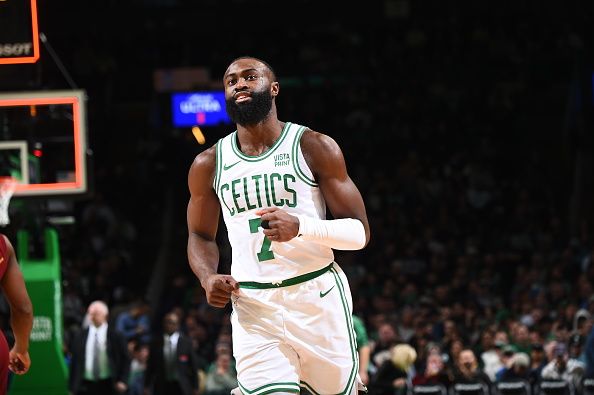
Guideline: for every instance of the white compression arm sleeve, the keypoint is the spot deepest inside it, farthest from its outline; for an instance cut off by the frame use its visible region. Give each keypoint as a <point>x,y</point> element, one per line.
<point>340,234</point>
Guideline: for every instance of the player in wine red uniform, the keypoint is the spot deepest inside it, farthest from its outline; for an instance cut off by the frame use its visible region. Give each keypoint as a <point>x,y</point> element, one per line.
<point>21,315</point>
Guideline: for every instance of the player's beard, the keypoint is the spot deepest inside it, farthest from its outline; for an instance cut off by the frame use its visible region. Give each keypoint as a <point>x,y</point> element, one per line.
<point>251,112</point>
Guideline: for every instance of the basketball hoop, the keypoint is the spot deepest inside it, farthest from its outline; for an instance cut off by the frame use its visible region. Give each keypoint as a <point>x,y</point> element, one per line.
<point>7,187</point>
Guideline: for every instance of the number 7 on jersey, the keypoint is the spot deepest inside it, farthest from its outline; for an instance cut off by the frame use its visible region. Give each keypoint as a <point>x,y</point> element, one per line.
<point>265,253</point>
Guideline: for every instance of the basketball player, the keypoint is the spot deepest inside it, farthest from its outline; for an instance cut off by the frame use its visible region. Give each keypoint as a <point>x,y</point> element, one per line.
<point>292,322</point>
<point>21,315</point>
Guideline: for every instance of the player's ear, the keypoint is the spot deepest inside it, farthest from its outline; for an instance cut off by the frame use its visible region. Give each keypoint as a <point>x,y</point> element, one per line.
<point>274,89</point>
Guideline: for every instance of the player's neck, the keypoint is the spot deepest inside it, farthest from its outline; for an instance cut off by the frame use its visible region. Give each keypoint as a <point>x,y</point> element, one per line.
<point>261,136</point>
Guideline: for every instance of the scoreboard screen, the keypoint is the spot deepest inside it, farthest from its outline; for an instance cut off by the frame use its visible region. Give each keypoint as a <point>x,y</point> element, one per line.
<point>19,36</point>
<point>199,109</point>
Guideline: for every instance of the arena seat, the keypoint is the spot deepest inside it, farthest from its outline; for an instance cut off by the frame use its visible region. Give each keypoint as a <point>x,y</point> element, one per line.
<point>588,386</point>
<point>554,387</point>
<point>469,389</point>
<point>518,387</point>
<point>429,389</point>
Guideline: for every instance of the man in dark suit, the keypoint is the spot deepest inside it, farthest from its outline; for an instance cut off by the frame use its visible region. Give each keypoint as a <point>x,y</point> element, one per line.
<point>172,366</point>
<point>99,357</point>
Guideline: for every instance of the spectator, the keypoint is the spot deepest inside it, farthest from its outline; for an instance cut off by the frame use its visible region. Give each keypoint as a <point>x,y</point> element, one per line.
<point>386,339</point>
<point>521,339</point>
<point>100,363</point>
<point>453,354</point>
<point>172,366</point>
<point>140,355</point>
<point>451,333</point>
<point>507,361</point>
<point>434,372</point>
<point>363,348</point>
<point>406,328</point>
<point>492,356</point>
<point>538,361</point>
<point>394,375</point>
<point>562,367</point>
<point>517,369</point>
<point>467,370</point>
<point>576,348</point>
<point>582,321</point>
<point>222,378</point>
<point>589,353</point>
<point>134,323</point>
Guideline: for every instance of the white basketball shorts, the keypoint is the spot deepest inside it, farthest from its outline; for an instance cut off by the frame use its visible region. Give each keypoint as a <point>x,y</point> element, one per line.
<point>297,334</point>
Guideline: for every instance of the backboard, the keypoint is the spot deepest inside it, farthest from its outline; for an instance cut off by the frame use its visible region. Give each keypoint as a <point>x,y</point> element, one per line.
<point>43,141</point>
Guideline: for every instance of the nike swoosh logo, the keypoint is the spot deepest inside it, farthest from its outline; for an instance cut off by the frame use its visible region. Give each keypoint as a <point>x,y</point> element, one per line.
<point>322,294</point>
<point>227,167</point>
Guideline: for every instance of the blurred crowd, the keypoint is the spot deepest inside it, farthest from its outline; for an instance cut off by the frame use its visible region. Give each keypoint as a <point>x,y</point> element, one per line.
<point>454,124</point>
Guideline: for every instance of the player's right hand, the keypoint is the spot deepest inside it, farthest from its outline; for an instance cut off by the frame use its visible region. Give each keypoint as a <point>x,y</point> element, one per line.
<point>219,288</point>
<point>19,362</point>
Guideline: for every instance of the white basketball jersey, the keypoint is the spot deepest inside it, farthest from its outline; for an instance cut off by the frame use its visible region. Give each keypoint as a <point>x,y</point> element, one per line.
<point>278,177</point>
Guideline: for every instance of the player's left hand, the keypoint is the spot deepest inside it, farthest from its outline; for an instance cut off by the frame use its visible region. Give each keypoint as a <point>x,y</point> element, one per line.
<point>281,226</point>
<point>18,362</point>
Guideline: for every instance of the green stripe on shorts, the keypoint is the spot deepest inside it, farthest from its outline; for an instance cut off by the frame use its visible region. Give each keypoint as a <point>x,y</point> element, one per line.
<point>271,388</point>
<point>348,316</point>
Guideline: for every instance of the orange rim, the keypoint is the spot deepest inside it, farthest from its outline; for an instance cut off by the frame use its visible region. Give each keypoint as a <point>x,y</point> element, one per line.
<point>8,180</point>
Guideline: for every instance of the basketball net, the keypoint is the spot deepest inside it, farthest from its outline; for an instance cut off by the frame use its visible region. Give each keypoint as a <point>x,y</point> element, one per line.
<point>7,187</point>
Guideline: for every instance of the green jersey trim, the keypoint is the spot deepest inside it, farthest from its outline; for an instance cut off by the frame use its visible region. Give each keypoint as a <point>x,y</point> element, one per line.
<point>270,388</point>
<point>300,173</point>
<point>218,165</point>
<point>265,154</point>
<point>285,283</point>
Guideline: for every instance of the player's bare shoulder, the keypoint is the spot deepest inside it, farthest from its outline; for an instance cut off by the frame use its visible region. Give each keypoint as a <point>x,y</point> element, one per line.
<point>202,170</point>
<point>321,152</point>
<point>206,158</point>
